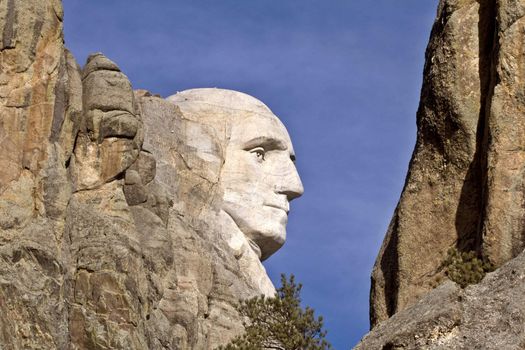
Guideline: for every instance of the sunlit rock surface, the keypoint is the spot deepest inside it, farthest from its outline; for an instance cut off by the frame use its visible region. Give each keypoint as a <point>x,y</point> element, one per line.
<point>128,221</point>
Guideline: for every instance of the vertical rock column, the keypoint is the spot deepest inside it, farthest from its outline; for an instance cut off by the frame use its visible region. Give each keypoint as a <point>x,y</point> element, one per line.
<point>108,303</point>
<point>466,183</point>
<point>440,203</point>
<point>40,108</point>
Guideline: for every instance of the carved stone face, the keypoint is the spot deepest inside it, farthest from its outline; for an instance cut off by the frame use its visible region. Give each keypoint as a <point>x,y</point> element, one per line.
<point>257,175</point>
<point>259,179</point>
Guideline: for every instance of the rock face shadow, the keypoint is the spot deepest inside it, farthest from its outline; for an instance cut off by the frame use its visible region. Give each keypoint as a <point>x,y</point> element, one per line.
<point>470,211</point>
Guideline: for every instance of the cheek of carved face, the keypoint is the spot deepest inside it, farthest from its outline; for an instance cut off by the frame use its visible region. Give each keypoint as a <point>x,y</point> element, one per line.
<point>259,179</point>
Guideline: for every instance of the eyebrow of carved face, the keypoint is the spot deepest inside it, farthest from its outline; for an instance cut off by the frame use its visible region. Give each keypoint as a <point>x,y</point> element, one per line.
<point>268,143</point>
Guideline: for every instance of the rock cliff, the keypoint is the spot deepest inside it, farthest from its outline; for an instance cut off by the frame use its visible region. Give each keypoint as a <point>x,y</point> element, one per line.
<point>465,184</point>
<point>464,190</point>
<point>111,230</point>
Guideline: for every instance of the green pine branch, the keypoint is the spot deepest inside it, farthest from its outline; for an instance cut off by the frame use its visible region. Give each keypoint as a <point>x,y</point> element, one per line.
<point>279,322</point>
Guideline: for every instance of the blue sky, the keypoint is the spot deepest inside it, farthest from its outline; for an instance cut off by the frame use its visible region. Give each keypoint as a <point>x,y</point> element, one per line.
<point>343,75</point>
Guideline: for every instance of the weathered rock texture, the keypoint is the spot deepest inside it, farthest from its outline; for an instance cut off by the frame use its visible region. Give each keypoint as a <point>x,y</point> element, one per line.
<point>489,315</point>
<point>106,232</point>
<point>40,115</point>
<point>465,185</point>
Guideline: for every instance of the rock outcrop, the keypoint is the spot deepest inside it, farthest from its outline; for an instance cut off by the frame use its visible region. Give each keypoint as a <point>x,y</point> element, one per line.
<point>489,315</point>
<point>111,234</point>
<point>465,185</point>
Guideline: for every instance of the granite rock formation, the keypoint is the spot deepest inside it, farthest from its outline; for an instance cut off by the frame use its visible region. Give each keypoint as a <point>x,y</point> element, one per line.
<point>489,315</point>
<point>465,184</point>
<point>111,234</point>
<point>40,108</point>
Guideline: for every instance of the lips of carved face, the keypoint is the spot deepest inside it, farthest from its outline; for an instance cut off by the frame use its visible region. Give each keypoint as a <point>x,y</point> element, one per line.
<point>259,179</point>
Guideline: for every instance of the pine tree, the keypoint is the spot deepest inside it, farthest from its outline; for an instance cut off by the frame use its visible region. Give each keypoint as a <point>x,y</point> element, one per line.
<point>279,322</point>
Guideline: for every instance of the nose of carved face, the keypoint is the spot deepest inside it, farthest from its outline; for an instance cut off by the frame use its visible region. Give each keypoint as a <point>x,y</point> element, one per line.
<point>291,184</point>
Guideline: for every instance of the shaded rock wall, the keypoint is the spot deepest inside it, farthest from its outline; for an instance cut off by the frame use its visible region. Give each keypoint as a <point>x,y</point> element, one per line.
<point>94,251</point>
<point>464,186</point>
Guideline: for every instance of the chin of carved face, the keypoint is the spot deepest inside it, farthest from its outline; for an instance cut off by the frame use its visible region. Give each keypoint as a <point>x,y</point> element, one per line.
<point>259,180</point>
<point>261,222</point>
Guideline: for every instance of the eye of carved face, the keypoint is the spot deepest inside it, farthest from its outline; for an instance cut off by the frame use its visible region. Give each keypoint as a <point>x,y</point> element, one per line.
<point>259,180</point>
<point>259,153</point>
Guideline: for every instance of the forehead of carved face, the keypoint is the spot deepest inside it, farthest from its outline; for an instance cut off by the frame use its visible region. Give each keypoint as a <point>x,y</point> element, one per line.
<point>259,179</point>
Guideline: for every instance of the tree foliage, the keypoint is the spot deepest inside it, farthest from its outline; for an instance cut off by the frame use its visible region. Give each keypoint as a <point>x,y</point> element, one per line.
<point>280,322</point>
<point>465,268</point>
